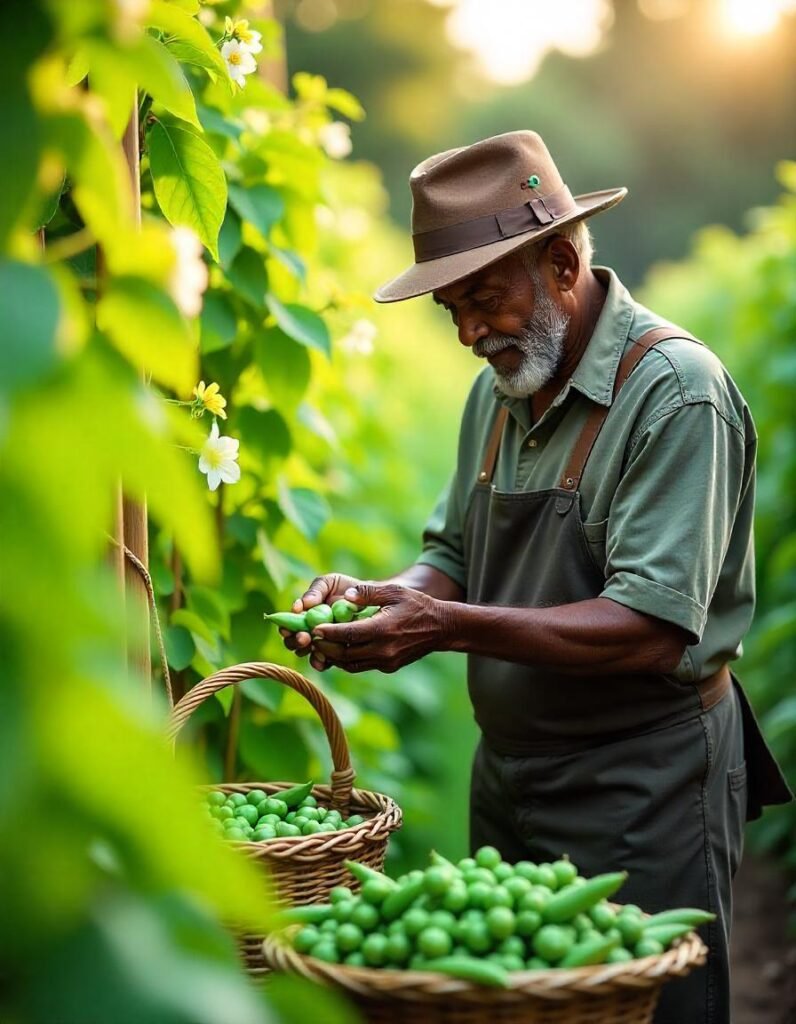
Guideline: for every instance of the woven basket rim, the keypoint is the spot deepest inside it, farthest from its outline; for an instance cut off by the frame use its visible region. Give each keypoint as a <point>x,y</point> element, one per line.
<point>551,984</point>
<point>386,819</point>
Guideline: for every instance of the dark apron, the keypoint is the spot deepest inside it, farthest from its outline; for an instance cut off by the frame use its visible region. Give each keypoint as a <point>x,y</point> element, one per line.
<point>585,728</point>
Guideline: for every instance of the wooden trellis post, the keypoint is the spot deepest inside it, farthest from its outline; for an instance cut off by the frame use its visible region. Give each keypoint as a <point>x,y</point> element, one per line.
<point>131,525</point>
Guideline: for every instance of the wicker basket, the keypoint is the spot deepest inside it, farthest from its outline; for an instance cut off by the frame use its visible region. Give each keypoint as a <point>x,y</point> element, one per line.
<point>305,868</point>
<point>623,993</point>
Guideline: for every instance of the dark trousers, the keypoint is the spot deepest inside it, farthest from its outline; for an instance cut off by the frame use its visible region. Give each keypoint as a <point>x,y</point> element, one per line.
<point>667,806</point>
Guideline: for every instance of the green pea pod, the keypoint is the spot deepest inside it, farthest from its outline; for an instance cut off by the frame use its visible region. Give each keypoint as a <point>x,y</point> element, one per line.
<point>311,913</point>
<point>590,951</point>
<point>575,899</point>
<point>468,968</point>
<point>667,933</point>
<point>686,915</point>
<point>439,860</point>
<point>294,621</point>
<point>318,616</point>
<point>368,612</point>
<point>363,873</point>
<point>402,898</point>
<point>293,796</point>
<point>344,611</point>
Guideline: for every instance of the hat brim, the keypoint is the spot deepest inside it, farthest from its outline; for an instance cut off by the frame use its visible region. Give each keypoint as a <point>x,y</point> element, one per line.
<point>422,278</point>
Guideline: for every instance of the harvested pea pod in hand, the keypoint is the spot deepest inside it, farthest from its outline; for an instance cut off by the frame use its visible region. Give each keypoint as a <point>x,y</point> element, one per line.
<point>321,614</point>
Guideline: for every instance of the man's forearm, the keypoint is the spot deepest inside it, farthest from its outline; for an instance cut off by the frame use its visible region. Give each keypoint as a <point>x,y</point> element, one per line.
<point>589,637</point>
<point>431,581</point>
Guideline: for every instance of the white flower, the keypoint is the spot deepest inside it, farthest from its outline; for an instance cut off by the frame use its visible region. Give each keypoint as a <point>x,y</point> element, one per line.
<point>219,459</point>
<point>239,61</point>
<point>189,278</point>
<point>336,139</point>
<point>359,340</point>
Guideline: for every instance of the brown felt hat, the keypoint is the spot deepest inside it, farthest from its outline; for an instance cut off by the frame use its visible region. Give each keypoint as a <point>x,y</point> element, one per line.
<point>474,205</point>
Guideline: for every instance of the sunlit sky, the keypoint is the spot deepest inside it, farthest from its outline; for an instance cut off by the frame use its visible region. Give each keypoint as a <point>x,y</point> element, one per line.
<point>511,37</point>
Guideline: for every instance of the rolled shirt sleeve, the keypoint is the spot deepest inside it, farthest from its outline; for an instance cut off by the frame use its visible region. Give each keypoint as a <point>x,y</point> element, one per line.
<point>443,545</point>
<point>672,515</point>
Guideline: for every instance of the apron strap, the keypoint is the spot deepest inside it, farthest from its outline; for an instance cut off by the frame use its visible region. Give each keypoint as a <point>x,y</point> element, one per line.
<point>594,422</point>
<point>493,447</point>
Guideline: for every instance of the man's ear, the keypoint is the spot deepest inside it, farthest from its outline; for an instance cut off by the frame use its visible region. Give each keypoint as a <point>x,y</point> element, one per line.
<point>564,263</point>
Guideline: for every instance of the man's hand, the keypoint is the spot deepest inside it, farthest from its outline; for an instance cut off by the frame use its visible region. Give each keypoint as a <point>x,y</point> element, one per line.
<point>409,626</point>
<point>323,590</point>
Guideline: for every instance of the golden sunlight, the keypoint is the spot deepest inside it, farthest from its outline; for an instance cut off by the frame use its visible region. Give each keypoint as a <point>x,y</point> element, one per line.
<point>510,37</point>
<point>754,17</point>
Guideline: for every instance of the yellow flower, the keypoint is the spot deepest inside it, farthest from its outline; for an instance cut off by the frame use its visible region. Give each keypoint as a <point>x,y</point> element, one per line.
<point>247,36</point>
<point>209,398</point>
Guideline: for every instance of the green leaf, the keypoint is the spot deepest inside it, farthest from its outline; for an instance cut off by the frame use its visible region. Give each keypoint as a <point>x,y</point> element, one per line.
<point>285,366</point>
<point>348,105</point>
<point>29,313</point>
<point>289,259</point>
<point>210,608</point>
<point>216,123</point>
<point>273,752</point>
<point>275,563</point>
<point>301,324</point>
<point>268,693</point>
<point>189,182</point>
<point>229,238</point>
<point>27,33</point>
<point>179,25</point>
<point>146,327</point>
<point>248,276</point>
<point>260,205</point>
<point>218,324</point>
<point>265,432</point>
<point>160,74</point>
<point>187,53</point>
<point>180,647</point>
<point>100,183</point>
<point>314,420</point>
<point>307,510</point>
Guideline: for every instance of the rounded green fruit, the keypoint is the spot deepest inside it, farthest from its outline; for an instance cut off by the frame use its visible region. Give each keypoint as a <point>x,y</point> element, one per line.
<point>349,936</point>
<point>434,942</point>
<point>565,872</point>
<point>501,922</point>
<point>552,942</point>
<point>374,949</point>
<point>326,949</point>
<point>216,798</point>
<point>499,896</point>
<point>399,948</point>
<point>365,915</point>
<point>415,920</point>
<point>488,857</point>
<point>647,947</point>
<point>478,895</point>
<point>236,799</point>
<point>306,938</point>
<point>437,880</point>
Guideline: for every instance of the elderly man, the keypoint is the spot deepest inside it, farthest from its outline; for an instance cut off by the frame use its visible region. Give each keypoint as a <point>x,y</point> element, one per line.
<point>592,555</point>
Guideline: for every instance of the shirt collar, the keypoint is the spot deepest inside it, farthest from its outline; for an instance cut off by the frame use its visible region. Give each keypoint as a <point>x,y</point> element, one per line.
<point>595,373</point>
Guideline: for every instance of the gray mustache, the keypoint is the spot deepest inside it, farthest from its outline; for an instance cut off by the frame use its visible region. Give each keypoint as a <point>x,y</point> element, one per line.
<point>493,343</point>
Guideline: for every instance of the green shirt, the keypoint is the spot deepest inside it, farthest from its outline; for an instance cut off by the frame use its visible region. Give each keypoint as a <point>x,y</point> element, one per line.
<point>668,492</point>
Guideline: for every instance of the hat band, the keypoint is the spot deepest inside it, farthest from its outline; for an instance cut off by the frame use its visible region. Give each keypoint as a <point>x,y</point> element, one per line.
<point>470,234</point>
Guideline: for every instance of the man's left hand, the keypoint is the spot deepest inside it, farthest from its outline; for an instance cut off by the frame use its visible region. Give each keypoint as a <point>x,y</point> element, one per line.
<point>409,625</point>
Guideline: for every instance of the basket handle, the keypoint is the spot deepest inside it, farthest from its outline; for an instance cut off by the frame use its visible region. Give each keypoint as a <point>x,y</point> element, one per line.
<point>342,777</point>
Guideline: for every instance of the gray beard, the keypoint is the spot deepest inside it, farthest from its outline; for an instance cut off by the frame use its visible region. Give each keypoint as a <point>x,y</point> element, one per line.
<point>541,343</point>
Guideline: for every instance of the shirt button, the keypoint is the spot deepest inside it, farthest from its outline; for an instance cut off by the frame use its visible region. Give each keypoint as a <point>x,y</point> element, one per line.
<point>532,443</point>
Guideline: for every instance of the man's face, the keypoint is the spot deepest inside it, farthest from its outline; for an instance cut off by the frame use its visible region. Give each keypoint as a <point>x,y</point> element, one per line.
<point>507,315</point>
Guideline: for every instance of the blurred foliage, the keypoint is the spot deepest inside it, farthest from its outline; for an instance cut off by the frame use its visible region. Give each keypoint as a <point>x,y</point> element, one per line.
<point>670,108</point>
<point>738,293</point>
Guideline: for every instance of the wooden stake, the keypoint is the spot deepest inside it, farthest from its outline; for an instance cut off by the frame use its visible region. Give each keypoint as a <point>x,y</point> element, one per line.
<point>135,513</point>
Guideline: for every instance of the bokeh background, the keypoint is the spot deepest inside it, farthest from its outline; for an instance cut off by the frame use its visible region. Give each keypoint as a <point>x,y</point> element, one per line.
<point>347,414</point>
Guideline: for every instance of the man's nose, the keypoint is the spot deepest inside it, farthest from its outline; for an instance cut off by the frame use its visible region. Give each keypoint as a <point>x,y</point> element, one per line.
<point>471,328</point>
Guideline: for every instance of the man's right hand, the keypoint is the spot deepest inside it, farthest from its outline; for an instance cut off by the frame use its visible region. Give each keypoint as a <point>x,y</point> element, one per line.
<point>323,590</point>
